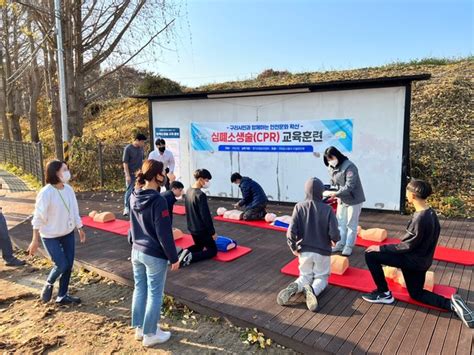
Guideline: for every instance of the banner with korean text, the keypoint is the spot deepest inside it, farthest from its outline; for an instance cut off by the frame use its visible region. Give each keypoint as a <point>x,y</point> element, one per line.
<point>282,137</point>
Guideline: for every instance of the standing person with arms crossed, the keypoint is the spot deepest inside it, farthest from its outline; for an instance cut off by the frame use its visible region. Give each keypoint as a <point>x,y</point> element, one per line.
<point>133,155</point>
<point>153,249</point>
<point>345,176</point>
<point>55,217</point>
<point>166,157</point>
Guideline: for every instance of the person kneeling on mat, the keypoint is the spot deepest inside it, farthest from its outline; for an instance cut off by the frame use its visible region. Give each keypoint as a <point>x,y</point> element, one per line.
<point>312,230</point>
<point>199,221</point>
<point>254,201</point>
<point>414,256</point>
<point>174,194</point>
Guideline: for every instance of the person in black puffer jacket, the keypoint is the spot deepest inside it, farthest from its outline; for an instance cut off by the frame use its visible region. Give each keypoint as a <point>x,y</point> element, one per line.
<point>254,201</point>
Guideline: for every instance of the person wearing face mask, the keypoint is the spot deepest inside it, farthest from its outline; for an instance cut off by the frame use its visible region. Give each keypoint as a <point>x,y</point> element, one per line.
<point>166,157</point>
<point>174,194</point>
<point>345,176</point>
<point>414,256</point>
<point>254,201</point>
<point>153,248</point>
<point>199,221</point>
<point>55,217</point>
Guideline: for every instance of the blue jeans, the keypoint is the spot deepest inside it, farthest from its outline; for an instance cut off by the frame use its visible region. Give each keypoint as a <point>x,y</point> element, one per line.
<point>5,242</point>
<point>348,220</point>
<point>61,250</point>
<point>149,274</point>
<point>128,192</point>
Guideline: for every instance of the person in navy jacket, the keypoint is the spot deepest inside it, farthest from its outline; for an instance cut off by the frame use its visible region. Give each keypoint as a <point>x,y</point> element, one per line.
<point>153,248</point>
<point>254,201</point>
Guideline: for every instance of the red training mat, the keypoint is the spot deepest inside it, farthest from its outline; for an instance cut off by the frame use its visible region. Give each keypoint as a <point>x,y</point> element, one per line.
<point>258,224</point>
<point>450,255</point>
<point>179,209</point>
<point>361,280</point>
<point>118,226</point>
<point>187,240</point>
<point>233,254</point>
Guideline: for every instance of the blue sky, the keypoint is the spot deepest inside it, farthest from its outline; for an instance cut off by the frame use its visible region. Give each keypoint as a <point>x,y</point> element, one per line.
<point>220,40</point>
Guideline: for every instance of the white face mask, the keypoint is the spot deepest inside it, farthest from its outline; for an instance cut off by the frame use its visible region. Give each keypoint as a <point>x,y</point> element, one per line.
<point>179,197</point>
<point>333,163</point>
<point>66,176</point>
<point>207,185</point>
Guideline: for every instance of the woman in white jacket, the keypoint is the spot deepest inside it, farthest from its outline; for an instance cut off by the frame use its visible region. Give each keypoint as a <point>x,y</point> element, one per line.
<point>55,218</point>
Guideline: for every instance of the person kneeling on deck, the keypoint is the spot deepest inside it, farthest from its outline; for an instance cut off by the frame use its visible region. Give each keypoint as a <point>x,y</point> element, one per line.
<point>174,194</point>
<point>254,201</point>
<point>312,231</point>
<point>414,256</point>
<point>199,221</point>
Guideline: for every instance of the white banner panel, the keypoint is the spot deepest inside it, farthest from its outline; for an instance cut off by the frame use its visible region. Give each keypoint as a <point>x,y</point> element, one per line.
<point>376,116</point>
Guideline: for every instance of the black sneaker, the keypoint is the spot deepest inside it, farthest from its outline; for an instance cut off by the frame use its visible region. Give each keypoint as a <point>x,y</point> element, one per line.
<point>379,297</point>
<point>47,293</point>
<point>185,257</point>
<point>15,262</point>
<point>284,295</point>
<point>69,300</point>
<point>311,299</point>
<point>462,310</point>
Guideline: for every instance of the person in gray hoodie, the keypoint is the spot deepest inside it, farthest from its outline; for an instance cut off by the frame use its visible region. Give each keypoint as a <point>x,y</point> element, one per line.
<point>350,194</point>
<point>312,231</point>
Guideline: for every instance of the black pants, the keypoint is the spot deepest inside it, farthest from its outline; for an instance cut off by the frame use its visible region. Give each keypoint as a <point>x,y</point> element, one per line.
<point>204,247</point>
<point>256,213</point>
<point>414,279</point>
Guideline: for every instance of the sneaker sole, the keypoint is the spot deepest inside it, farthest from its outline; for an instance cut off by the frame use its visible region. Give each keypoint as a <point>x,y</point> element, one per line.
<point>284,296</point>
<point>459,309</point>
<point>382,300</point>
<point>312,303</point>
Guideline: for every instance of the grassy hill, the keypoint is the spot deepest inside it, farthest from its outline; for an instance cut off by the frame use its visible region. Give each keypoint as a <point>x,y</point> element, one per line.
<point>441,121</point>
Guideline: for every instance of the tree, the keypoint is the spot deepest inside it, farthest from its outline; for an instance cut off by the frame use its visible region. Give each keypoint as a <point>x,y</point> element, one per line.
<point>96,33</point>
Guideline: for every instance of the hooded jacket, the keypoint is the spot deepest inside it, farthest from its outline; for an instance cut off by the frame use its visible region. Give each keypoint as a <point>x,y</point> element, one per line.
<point>313,223</point>
<point>150,225</point>
<point>346,177</point>
<point>252,194</point>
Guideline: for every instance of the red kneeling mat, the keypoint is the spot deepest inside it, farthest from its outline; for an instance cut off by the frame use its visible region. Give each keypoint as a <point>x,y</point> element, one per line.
<point>449,255</point>
<point>118,226</point>
<point>179,209</point>
<point>361,280</point>
<point>187,240</point>
<point>258,224</point>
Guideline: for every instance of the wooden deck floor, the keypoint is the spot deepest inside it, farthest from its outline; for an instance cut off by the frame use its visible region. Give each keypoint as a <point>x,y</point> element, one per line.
<point>244,291</point>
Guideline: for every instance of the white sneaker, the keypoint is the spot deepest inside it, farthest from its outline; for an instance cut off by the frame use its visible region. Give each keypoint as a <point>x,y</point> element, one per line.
<point>138,334</point>
<point>158,338</point>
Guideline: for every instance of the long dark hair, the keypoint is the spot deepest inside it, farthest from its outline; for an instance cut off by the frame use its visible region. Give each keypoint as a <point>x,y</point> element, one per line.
<point>333,152</point>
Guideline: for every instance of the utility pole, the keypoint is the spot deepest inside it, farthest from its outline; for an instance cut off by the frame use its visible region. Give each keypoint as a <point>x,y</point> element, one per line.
<point>62,80</point>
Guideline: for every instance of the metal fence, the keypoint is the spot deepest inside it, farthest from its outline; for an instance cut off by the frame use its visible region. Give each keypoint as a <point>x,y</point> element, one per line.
<point>25,155</point>
<point>94,165</point>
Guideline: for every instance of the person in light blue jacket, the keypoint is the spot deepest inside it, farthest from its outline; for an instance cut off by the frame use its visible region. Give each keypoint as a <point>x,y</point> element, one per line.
<point>350,194</point>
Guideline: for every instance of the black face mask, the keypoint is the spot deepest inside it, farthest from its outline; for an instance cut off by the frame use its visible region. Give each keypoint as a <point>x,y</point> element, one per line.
<point>162,149</point>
